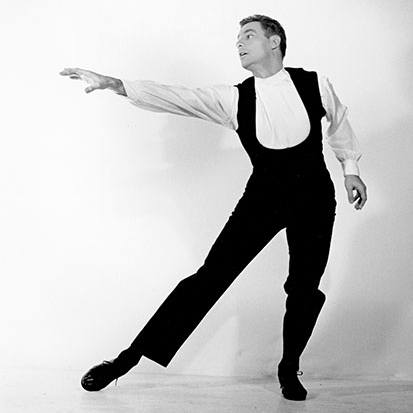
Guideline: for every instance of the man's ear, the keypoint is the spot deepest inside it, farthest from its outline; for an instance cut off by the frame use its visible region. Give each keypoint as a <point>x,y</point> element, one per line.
<point>275,41</point>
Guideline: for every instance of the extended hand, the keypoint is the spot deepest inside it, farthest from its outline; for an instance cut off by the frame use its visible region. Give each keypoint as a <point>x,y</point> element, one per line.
<point>356,190</point>
<point>95,80</point>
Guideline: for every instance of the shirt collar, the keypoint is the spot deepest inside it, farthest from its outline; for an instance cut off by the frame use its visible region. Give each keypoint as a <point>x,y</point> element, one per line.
<point>279,77</point>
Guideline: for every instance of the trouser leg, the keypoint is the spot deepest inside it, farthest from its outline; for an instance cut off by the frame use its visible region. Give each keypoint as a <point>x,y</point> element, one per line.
<point>299,322</point>
<point>248,230</point>
<point>309,236</point>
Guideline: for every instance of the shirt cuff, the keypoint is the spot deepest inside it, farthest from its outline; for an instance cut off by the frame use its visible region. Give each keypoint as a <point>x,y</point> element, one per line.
<point>350,167</point>
<point>132,88</point>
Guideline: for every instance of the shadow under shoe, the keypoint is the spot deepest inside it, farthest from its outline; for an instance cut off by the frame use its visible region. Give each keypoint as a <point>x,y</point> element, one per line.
<point>291,387</point>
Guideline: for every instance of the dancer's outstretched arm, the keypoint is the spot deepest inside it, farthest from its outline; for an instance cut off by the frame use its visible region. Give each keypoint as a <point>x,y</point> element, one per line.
<point>215,104</point>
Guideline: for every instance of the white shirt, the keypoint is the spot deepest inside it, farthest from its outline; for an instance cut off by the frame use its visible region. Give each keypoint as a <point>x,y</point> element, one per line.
<point>281,118</point>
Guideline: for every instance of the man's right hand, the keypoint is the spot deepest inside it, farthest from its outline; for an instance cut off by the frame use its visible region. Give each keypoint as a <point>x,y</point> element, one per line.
<point>95,80</point>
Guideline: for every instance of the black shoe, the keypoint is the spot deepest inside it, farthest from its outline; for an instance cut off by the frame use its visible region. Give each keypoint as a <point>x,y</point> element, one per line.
<point>291,388</point>
<point>98,377</point>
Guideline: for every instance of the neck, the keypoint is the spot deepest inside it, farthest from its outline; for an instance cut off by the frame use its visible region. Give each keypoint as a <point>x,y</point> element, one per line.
<point>264,71</point>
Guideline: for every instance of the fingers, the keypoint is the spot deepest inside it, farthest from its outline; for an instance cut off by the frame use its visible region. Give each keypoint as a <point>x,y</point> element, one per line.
<point>80,74</point>
<point>71,72</point>
<point>351,195</point>
<point>362,198</point>
<point>355,199</point>
<point>356,191</point>
<point>357,195</point>
<point>75,74</point>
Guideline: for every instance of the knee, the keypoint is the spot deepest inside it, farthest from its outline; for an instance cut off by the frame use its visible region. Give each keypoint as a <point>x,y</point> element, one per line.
<point>200,279</point>
<point>306,297</point>
<point>302,286</point>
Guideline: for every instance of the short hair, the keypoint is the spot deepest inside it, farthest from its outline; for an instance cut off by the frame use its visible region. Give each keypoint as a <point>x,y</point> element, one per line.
<point>270,26</point>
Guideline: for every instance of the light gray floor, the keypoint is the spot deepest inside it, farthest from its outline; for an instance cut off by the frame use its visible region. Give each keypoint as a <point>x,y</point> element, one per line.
<point>57,391</point>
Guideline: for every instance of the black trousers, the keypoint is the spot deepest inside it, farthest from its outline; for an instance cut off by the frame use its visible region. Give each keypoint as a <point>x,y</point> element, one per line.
<point>303,204</point>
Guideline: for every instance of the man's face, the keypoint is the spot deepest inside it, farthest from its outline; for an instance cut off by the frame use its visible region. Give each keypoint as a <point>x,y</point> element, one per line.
<point>253,46</point>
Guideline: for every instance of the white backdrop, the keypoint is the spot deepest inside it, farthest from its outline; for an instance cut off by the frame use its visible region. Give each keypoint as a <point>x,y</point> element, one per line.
<point>104,207</point>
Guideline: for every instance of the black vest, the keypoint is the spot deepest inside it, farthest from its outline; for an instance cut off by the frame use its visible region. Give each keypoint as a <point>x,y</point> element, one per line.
<point>307,154</point>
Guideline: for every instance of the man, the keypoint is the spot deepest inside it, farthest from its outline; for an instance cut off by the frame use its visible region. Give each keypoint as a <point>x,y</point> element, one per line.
<point>277,114</point>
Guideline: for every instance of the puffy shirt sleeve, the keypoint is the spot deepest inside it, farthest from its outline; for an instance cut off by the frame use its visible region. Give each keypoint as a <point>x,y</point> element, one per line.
<point>339,133</point>
<point>217,104</point>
